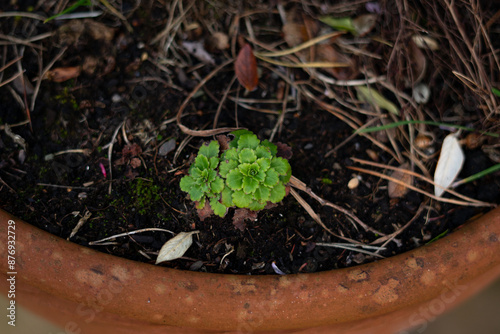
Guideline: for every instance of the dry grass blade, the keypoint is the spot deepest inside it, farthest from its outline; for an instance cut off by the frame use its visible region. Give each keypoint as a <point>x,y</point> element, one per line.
<point>202,133</point>
<point>470,201</point>
<point>296,183</point>
<point>100,242</point>
<point>388,238</point>
<point>115,12</point>
<point>302,46</point>
<point>314,64</point>
<point>422,177</point>
<point>352,248</point>
<point>316,217</point>
<point>309,210</point>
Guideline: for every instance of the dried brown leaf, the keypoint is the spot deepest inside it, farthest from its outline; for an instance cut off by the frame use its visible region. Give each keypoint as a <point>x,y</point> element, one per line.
<point>240,215</point>
<point>245,68</point>
<point>135,162</point>
<point>205,212</point>
<point>294,34</point>
<point>130,151</point>
<point>418,62</point>
<point>284,151</point>
<point>62,74</point>
<point>396,189</point>
<point>223,142</point>
<point>326,53</point>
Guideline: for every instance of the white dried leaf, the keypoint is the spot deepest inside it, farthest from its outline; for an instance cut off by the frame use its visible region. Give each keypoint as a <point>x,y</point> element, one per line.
<point>425,42</point>
<point>197,49</point>
<point>175,247</point>
<point>449,164</point>
<point>421,93</point>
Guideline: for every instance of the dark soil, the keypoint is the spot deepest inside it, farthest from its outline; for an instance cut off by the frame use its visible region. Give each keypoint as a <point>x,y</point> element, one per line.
<point>54,191</point>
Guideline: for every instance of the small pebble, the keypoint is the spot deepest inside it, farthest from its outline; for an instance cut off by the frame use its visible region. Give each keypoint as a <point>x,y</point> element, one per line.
<point>308,146</point>
<point>116,98</point>
<point>82,195</point>
<point>353,183</point>
<point>167,147</point>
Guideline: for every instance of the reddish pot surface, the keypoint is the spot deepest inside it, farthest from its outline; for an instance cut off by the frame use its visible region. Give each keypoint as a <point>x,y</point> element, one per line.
<point>90,292</point>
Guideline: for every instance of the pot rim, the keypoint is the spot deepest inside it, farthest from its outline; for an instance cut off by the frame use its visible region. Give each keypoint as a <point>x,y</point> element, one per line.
<point>165,296</point>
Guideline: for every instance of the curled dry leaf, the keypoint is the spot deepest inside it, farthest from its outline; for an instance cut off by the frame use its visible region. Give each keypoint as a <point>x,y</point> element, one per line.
<point>425,42</point>
<point>62,74</point>
<point>245,68</point>
<point>449,164</point>
<point>418,64</point>
<point>176,247</point>
<point>396,189</point>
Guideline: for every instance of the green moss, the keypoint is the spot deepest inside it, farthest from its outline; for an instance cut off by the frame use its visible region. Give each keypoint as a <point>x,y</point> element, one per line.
<point>145,194</point>
<point>65,97</point>
<point>326,180</point>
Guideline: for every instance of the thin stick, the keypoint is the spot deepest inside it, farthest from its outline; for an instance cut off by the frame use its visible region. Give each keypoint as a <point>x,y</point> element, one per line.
<point>472,202</point>
<point>98,242</point>
<point>316,217</point>
<point>110,153</point>
<point>204,133</point>
<point>224,97</point>
<point>296,183</point>
<point>351,248</point>
<point>406,171</point>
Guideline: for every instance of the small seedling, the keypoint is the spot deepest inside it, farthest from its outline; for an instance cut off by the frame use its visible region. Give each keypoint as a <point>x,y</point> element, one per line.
<point>254,174</point>
<point>203,184</point>
<point>247,174</point>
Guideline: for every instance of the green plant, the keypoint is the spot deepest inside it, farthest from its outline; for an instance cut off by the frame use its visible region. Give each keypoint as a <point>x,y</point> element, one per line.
<point>254,174</point>
<point>245,174</point>
<point>203,184</point>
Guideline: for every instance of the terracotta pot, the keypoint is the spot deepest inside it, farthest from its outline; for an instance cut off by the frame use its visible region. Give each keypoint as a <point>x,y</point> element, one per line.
<point>85,290</point>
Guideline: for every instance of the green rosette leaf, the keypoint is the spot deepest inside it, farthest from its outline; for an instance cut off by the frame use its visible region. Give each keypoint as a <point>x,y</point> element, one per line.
<point>201,162</point>
<point>237,134</point>
<point>227,197</point>
<point>196,192</point>
<point>262,193</point>
<point>280,165</point>
<point>211,150</point>
<point>227,166</point>
<point>247,155</point>
<point>242,200</point>
<point>277,193</point>
<point>256,206</point>
<point>263,152</point>
<point>217,185</point>
<point>248,141</point>
<point>186,183</point>
<point>272,178</point>
<point>217,207</point>
<point>249,184</point>
<point>231,154</point>
<point>264,163</point>
<point>234,179</point>
<point>273,149</point>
